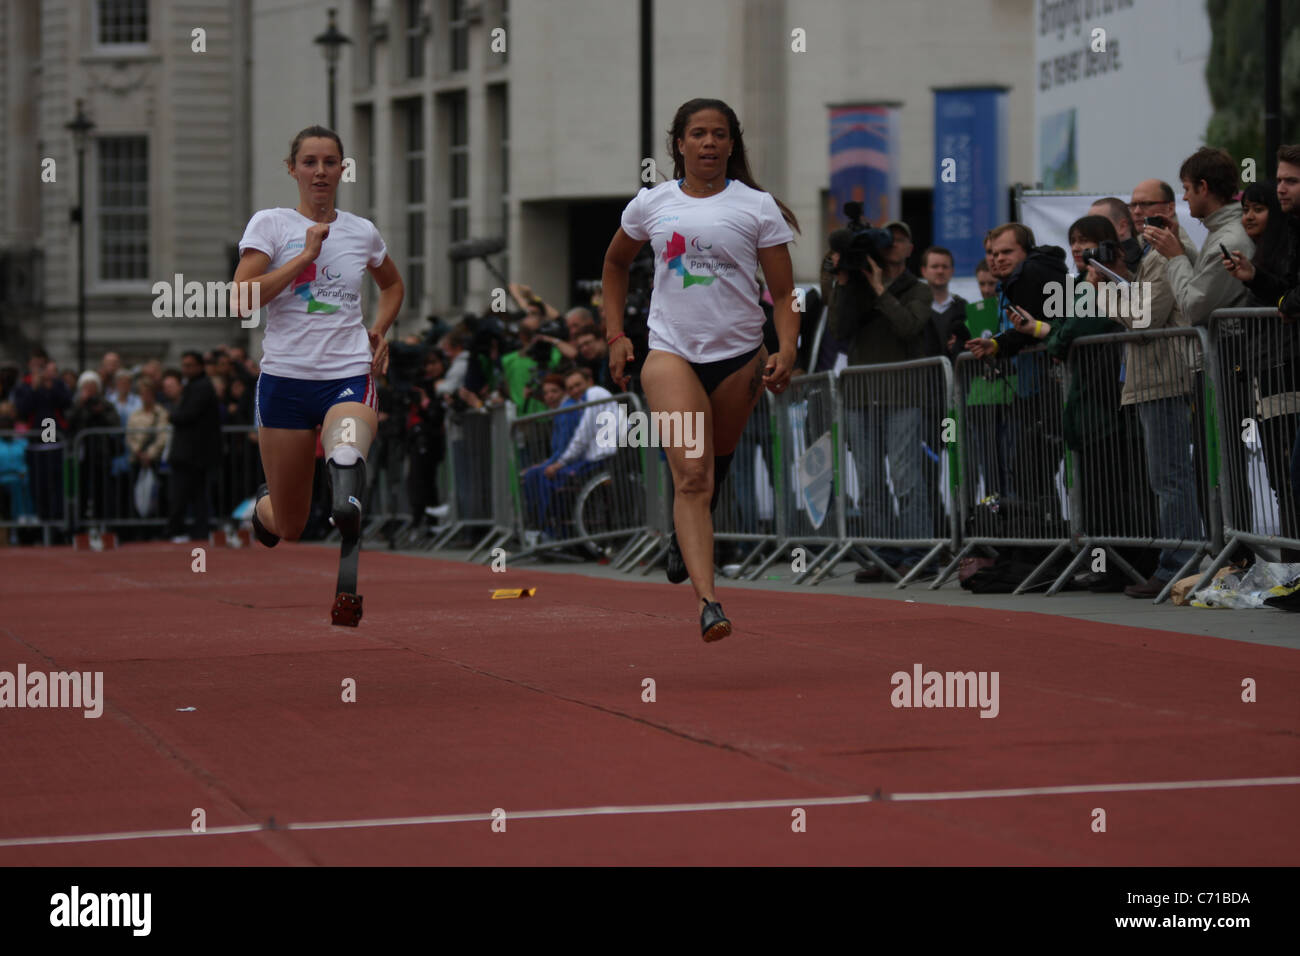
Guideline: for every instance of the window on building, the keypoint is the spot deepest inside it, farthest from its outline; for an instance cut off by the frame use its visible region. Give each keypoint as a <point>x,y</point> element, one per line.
<point>458,35</point>
<point>457,108</point>
<point>122,213</point>
<point>414,156</point>
<point>371,40</point>
<point>365,131</point>
<point>122,22</point>
<point>414,20</point>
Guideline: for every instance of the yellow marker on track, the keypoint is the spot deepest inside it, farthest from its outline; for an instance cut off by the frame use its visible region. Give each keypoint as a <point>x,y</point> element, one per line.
<point>513,593</point>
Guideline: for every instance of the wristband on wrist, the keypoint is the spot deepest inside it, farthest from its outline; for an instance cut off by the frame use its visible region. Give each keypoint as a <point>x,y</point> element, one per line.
<point>609,342</point>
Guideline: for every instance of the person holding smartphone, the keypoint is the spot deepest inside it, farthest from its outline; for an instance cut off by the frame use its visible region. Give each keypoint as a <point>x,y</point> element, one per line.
<point>1209,178</point>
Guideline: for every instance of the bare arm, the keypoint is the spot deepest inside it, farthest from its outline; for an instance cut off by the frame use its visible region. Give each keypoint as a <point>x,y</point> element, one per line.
<point>779,275</point>
<point>253,284</point>
<point>567,349</point>
<point>613,283</point>
<point>391,293</point>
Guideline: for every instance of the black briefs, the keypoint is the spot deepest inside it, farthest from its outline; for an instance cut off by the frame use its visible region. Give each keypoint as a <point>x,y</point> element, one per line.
<point>713,374</point>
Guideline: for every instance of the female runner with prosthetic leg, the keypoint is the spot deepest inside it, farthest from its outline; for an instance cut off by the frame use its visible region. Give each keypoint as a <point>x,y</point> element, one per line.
<point>710,227</point>
<point>306,266</point>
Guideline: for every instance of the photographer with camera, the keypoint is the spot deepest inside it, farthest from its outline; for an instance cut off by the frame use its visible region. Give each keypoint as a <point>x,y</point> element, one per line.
<point>523,369</point>
<point>883,312</point>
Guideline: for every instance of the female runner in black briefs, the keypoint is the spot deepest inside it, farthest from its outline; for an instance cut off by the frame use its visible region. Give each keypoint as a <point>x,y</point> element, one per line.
<point>710,227</point>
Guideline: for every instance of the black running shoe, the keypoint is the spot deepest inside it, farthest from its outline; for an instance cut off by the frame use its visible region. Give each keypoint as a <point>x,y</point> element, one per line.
<point>714,625</point>
<point>259,530</point>
<point>676,567</point>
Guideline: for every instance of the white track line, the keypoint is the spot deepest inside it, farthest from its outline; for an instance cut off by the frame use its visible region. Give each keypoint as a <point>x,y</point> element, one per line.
<point>667,808</point>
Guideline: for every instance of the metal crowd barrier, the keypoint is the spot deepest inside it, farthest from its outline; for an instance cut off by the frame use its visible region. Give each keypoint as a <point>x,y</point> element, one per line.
<point>32,496</point>
<point>469,488</point>
<point>1119,449</point>
<point>891,432</point>
<point>597,502</point>
<point>103,473</point>
<point>748,512</point>
<point>807,492</point>
<point>1128,420</point>
<point>1011,457</point>
<point>1258,402</point>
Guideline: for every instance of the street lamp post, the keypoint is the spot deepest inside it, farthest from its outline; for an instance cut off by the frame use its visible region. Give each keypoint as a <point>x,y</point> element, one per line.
<point>80,128</point>
<point>331,44</point>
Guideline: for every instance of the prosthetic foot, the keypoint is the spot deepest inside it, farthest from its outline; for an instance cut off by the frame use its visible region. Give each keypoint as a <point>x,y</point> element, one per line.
<point>348,484</point>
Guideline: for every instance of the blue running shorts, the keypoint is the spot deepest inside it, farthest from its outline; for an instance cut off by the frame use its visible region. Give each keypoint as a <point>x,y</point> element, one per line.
<point>302,403</point>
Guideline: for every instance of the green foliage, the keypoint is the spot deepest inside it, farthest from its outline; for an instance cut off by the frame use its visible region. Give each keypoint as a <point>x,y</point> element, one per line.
<point>1235,77</point>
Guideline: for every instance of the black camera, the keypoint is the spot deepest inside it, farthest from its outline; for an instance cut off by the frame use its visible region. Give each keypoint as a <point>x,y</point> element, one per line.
<point>487,331</point>
<point>1108,252</point>
<point>858,241</point>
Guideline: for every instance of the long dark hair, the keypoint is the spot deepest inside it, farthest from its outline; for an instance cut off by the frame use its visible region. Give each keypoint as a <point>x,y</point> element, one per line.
<point>1271,247</point>
<point>737,163</point>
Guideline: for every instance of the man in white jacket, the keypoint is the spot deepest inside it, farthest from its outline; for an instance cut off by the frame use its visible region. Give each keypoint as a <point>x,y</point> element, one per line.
<point>583,448</point>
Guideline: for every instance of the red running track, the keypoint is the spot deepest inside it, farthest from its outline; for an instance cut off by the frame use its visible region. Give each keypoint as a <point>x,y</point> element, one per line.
<point>224,692</point>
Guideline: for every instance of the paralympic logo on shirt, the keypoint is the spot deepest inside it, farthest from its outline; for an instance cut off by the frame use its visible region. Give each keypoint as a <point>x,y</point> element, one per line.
<point>674,255</point>
<point>301,287</point>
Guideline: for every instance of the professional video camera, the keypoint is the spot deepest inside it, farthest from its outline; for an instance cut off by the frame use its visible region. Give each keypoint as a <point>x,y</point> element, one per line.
<point>858,241</point>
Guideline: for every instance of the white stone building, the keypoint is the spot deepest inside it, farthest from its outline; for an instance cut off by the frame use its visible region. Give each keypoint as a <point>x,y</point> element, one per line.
<point>453,136</point>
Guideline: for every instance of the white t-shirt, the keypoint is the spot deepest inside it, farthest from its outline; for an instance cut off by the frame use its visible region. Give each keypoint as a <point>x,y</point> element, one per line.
<point>705,302</point>
<point>314,328</point>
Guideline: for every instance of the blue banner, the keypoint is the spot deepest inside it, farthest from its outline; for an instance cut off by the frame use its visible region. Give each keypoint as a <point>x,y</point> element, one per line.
<point>970,179</point>
<point>864,162</point>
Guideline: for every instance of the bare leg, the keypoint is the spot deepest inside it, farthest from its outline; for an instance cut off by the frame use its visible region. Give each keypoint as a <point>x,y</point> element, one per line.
<point>289,460</point>
<point>671,385</point>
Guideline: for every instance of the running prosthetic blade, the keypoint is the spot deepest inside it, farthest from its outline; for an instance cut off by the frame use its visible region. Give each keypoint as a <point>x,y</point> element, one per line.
<point>347,483</point>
